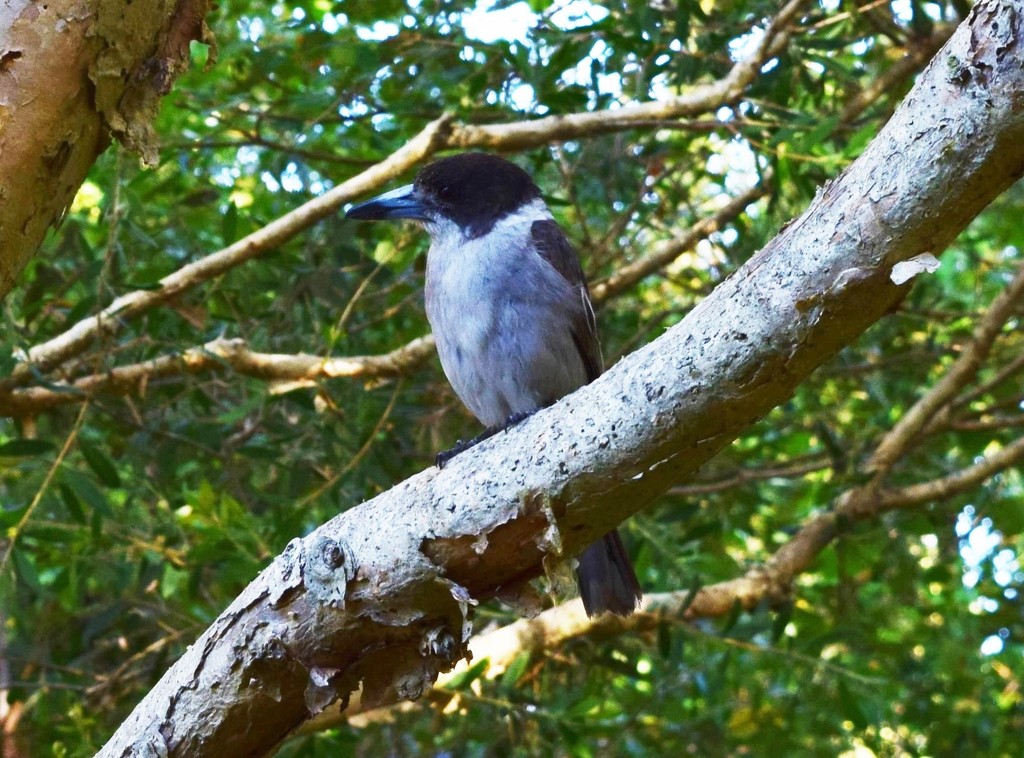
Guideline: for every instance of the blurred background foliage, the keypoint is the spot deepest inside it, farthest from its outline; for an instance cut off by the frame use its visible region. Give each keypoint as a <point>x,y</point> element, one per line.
<point>904,638</point>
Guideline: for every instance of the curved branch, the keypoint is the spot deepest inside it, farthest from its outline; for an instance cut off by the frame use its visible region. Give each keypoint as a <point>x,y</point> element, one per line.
<point>701,99</point>
<point>219,354</point>
<point>794,470</point>
<point>666,252</point>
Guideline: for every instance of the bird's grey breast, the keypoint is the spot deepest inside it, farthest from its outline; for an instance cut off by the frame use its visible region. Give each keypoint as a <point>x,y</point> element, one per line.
<point>502,316</point>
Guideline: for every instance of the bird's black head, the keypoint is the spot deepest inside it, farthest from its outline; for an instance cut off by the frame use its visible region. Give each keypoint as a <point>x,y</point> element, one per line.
<point>473,190</point>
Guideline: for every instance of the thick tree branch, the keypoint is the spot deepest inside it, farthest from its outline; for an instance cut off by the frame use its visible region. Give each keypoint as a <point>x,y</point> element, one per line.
<point>770,582</point>
<point>73,72</point>
<point>380,596</point>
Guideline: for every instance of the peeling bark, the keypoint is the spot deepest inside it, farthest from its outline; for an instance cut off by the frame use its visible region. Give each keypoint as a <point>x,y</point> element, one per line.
<point>380,597</point>
<point>72,73</point>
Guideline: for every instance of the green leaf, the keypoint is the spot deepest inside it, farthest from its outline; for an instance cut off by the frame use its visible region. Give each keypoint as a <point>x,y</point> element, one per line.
<point>11,516</point>
<point>467,677</point>
<point>23,448</point>
<point>517,668</point>
<point>229,225</point>
<point>733,617</point>
<point>101,465</point>
<point>853,708</point>
<point>691,594</point>
<point>84,488</point>
<point>664,640</point>
<point>174,581</point>
<point>25,568</point>
<point>199,53</point>
<point>700,530</point>
<point>781,621</point>
<point>72,503</point>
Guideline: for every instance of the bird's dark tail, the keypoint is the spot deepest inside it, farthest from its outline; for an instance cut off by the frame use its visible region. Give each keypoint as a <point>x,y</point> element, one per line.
<point>606,577</point>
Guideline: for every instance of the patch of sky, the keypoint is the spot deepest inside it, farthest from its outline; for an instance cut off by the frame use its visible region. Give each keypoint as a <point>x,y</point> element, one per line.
<point>514,22</point>
<point>522,96</point>
<point>735,162</point>
<point>269,181</point>
<point>576,14</point>
<point>992,645</point>
<point>225,176</point>
<point>1006,568</point>
<point>861,46</point>
<point>979,543</point>
<point>469,54</point>
<point>354,109</point>
<point>331,23</point>
<point>588,72</point>
<point>904,10</point>
<point>251,28</point>
<point>746,45</point>
<point>380,31</point>
<point>317,184</point>
<point>248,157</point>
<point>488,24</point>
<point>290,179</point>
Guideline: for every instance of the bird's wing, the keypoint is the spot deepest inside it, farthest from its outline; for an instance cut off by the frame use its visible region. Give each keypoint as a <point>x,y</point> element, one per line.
<point>556,249</point>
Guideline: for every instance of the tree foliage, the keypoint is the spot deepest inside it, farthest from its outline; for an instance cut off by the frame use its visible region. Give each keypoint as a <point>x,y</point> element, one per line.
<point>134,513</point>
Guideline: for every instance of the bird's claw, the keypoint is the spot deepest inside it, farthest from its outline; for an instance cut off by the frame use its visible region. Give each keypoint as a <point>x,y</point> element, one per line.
<point>442,458</point>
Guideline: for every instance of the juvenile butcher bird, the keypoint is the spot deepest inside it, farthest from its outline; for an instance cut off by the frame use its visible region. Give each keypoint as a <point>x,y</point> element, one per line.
<point>511,314</point>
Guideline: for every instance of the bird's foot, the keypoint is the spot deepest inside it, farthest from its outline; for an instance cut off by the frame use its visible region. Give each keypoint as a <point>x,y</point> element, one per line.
<point>516,418</point>
<point>442,458</point>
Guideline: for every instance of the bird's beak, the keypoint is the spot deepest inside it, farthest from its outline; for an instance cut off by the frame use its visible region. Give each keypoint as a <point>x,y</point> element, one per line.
<point>404,202</point>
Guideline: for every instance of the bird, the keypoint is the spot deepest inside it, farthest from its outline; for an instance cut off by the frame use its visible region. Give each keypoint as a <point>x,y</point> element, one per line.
<point>511,314</point>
